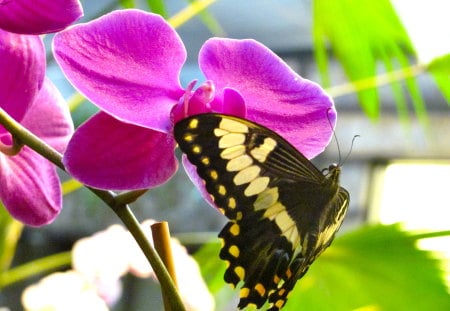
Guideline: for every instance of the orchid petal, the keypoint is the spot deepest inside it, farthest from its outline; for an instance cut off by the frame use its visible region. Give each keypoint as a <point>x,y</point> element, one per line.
<point>127,63</point>
<point>191,171</point>
<point>38,16</point>
<point>232,103</point>
<point>30,188</point>
<point>108,154</point>
<point>22,63</point>
<point>49,117</point>
<point>275,96</point>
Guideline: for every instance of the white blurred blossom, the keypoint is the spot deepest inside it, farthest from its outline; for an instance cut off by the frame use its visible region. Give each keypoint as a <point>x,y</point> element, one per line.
<point>107,255</point>
<point>63,291</point>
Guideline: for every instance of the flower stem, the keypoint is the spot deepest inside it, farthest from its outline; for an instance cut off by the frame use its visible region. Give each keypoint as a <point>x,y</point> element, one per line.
<point>29,139</point>
<point>167,284</point>
<point>161,240</point>
<point>122,210</point>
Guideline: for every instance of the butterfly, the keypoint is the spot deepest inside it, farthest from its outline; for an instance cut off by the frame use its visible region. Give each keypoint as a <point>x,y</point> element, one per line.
<point>283,212</point>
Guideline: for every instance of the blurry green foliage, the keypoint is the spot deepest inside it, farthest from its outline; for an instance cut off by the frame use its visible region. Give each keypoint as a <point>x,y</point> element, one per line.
<point>362,34</point>
<point>439,69</point>
<point>10,231</point>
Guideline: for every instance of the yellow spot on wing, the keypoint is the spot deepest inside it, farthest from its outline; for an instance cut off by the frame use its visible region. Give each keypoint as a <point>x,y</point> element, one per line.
<point>261,152</point>
<point>243,293</point>
<point>235,229</point>
<point>196,149</point>
<point>279,304</point>
<point>240,272</point>
<point>219,132</point>
<point>233,126</point>
<point>284,221</point>
<point>213,174</point>
<point>257,186</point>
<point>188,137</point>
<point>266,199</point>
<point>231,139</point>
<point>239,163</point>
<point>260,289</point>
<point>234,251</point>
<point>221,190</point>
<point>272,211</point>
<point>205,160</point>
<point>232,152</point>
<point>246,175</point>
<point>231,202</point>
<point>193,124</point>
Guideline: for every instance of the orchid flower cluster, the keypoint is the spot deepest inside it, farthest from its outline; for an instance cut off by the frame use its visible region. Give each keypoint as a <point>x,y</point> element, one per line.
<point>128,63</point>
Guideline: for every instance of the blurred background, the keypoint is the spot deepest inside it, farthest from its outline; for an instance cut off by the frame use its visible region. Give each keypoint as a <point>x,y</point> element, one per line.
<point>397,170</point>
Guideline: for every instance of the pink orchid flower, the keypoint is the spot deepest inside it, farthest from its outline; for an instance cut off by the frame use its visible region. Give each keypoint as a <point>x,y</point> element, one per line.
<point>128,63</point>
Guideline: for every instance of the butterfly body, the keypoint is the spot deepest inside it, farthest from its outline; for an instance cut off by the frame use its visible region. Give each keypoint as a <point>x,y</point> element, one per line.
<point>283,212</point>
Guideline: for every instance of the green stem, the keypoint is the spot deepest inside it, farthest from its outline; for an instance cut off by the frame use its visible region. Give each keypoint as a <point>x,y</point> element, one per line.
<point>428,235</point>
<point>29,139</point>
<point>129,196</point>
<point>122,210</point>
<point>168,288</point>
<point>35,267</point>
<point>373,82</point>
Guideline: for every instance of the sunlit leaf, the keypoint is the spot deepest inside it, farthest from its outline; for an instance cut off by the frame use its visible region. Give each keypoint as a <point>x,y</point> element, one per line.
<point>157,7</point>
<point>128,4</point>
<point>372,268</point>
<point>361,35</point>
<point>440,65</point>
<point>439,69</point>
<point>213,269</point>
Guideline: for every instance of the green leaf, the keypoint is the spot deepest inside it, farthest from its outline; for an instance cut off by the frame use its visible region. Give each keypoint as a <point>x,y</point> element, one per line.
<point>213,269</point>
<point>440,65</point>
<point>361,34</point>
<point>210,22</point>
<point>372,268</point>
<point>10,231</point>
<point>157,7</point>
<point>439,69</point>
<point>127,4</point>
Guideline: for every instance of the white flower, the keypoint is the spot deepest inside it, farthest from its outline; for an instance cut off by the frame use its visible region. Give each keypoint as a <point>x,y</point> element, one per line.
<point>63,291</point>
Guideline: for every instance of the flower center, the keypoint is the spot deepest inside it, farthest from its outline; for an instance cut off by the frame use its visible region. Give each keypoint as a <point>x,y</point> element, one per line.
<point>194,102</point>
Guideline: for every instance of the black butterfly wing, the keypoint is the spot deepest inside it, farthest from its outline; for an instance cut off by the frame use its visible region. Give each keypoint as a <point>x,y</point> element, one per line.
<point>278,203</point>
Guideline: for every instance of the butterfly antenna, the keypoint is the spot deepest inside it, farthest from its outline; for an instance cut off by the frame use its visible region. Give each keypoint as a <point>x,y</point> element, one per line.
<point>334,136</point>
<point>340,161</point>
<point>351,148</point>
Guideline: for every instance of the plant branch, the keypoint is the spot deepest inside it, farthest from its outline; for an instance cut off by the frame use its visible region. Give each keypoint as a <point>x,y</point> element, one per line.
<point>29,139</point>
<point>376,81</point>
